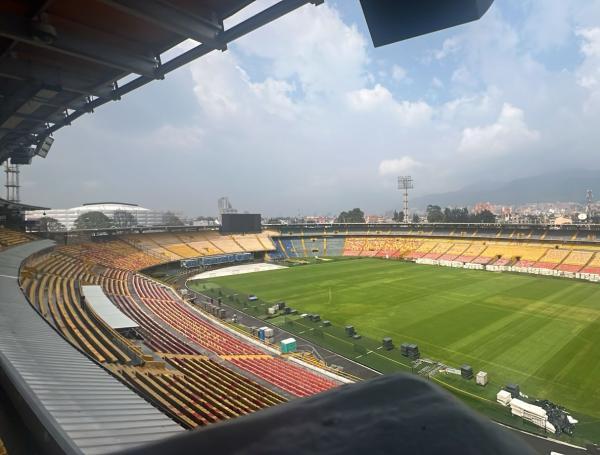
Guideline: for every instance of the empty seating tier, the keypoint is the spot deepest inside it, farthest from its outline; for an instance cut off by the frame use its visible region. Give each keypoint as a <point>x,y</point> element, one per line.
<point>471,253</point>
<point>9,237</point>
<point>198,391</point>
<point>438,250</point>
<point>575,261</point>
<point>425,247</point>
<point>455,251</point>
<point>170,309</point>
<point>291,378</point>
<point>593,266</point>
<point>552,258</point>
<point>354,246</point>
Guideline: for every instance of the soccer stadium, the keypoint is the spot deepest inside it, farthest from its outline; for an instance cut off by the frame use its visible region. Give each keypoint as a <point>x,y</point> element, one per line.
<point>145,336</point>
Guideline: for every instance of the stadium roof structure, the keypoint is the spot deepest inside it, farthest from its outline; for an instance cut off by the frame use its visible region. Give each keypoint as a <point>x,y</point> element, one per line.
<point>60,59</point>
<point>18,206</point>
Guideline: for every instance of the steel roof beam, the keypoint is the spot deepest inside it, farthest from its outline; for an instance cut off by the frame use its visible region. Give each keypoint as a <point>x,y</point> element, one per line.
<point>48,75</point>
<point>80,42</point>
<point>169,17</point>
<point>270,14</point>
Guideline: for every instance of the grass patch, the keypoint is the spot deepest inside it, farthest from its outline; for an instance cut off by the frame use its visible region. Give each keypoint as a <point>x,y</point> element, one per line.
<point>539,332</point>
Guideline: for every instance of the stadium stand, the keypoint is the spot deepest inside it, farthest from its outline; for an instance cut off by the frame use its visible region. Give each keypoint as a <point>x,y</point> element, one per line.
<point>226,243</point>
<point>82,408</point>
<point>52,290</point>
<point>425,247</point>
<point>529,255</point>
<point>334,246</point>
<point>198,391</point>
<point>471,253</point>
<point>593,266</point>
<point>455,251</point>
<point>575,261</point>
<point>249,242</point>
<point>401,246</point>
<point>170,309</point>
<point>115,253</point>
<point>291,378</point>
<point>167,326</point>
<point>154,334</point>
<point>215,379</point>
<point>438,250</point>
<point>278,254</point>
<point>161,301</point>
<point>551,259</point>
<point>146,245</point>
<point>373,246</point>
<point>353,246</point>
<point>288,248</point>
<point>298,247</point>
<point>9,237</point>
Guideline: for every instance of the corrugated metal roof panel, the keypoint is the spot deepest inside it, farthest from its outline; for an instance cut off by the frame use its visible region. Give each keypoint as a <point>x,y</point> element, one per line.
<point>83,407</point>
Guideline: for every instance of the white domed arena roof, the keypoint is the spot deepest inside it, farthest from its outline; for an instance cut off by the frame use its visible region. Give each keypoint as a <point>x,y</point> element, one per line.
<point>109,207</point>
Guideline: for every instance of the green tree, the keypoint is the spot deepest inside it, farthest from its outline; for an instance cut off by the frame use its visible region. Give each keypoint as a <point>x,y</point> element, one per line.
<point>398,216</point>
<point>435,214</point>
<point>486,216</point>
<point>352,216</point>
<point>415,218</point>
<point>49,224</point>
<point>456,215</point>
<point>124,219</point>
<point>170,219</point>
<point>93,220</point>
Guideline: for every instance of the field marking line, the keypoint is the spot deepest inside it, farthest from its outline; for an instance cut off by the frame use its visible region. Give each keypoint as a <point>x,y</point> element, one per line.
<point>557,441</point>
<point>483,361</point>
<point>350,343</point>
<point>461,390</point>
<point>502,366</point>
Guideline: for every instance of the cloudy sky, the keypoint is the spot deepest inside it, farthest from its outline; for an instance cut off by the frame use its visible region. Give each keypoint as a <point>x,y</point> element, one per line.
<point>305,116</point>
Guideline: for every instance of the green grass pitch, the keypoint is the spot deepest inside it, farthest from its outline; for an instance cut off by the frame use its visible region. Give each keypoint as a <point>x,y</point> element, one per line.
<point>542,333</point>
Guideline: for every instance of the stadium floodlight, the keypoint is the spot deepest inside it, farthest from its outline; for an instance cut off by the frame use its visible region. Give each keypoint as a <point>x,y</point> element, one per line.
<point>405,183</point>
<point>44,147</point>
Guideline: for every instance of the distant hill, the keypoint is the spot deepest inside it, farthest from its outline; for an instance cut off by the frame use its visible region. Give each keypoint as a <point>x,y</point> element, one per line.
<point>566,186</point>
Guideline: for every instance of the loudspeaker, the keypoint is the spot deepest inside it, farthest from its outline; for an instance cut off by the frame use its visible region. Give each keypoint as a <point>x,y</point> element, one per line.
<point>44,147</point>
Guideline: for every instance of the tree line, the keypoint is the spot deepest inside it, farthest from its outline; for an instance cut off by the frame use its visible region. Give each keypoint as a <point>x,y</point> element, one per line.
<point>435,214</point>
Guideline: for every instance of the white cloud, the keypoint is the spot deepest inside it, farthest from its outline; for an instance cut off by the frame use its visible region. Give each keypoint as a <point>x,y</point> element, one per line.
<point>463,76</point>
<point>399,74</point>
<point>307,95</point>
<point>548,25</point>
<point>588,74</point>
<point>314,46</point>
<point>509,134</point>
<point>398,166</point>
<point>450,46</point>
<point>379,100</point>
<point>370,98</point>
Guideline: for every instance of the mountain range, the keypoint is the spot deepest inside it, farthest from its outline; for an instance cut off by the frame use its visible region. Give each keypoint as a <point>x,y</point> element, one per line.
<point>565,186</point>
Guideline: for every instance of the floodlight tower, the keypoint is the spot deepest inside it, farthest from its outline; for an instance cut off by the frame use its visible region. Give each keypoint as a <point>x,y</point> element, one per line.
<point>405,183</point>
<point>12,182</point>
<point>589,199</point>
